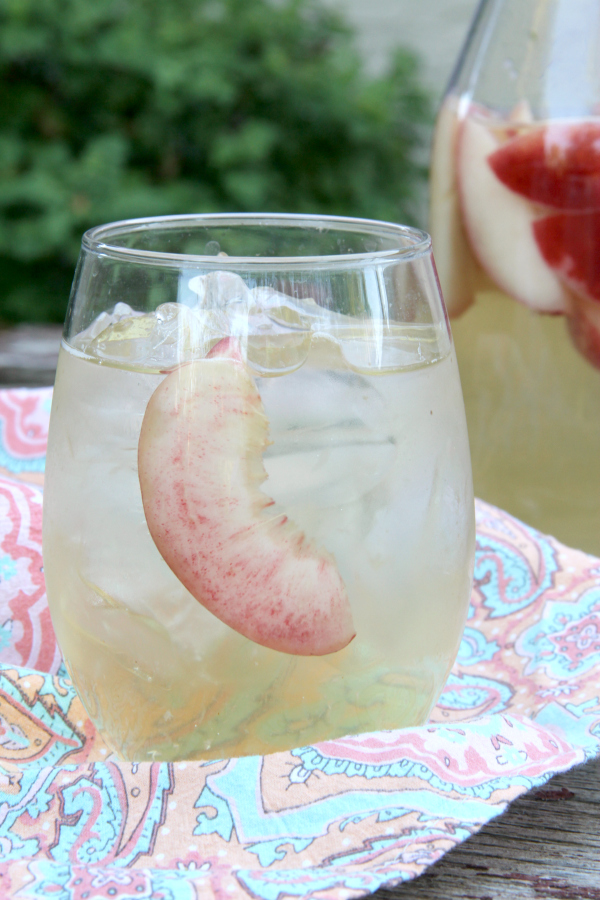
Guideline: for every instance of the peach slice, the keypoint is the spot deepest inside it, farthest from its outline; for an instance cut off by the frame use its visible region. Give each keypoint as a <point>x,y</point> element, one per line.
<point>570,243</point>
<point>200,467</point>
<point>499,225</point>
<point>557,165</point>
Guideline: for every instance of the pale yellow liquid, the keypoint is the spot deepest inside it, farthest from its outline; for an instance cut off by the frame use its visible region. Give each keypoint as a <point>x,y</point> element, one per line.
<point>532,401</point>
<point>533,413</point>
<point>390,498</point>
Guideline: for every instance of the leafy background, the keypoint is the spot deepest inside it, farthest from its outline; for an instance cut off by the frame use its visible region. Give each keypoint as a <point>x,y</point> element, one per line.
<point>123,108</point>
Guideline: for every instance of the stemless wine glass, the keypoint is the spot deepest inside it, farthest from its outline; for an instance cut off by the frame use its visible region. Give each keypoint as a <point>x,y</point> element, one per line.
<point>515,223</point>
<point>258,511</point>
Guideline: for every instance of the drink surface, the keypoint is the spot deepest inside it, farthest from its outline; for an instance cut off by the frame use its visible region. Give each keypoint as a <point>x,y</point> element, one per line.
<point>515,213</point>
<point>373,468</point>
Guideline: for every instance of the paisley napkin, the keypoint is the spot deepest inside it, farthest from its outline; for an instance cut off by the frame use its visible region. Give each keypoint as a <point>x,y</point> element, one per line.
<point>334,820</point>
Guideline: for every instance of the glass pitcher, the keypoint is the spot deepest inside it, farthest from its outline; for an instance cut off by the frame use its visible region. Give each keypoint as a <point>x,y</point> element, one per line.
<point>515,224</point>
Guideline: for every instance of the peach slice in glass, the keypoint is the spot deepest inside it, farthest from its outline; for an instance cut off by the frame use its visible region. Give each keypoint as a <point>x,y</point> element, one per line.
<point>200,469</point>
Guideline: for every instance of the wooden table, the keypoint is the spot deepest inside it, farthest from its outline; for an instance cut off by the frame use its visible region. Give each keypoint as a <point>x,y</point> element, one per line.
<point>546,845</point>
<point>28,355</point>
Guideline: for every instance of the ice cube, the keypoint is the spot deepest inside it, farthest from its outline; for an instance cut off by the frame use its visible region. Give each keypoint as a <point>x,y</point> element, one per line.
<point>173,334</point>
<point>376,347</point>
<point>276,353</point>
<point>103,321</point>
<point>218,289</point>
<point>273,328</point>
<point>332,440</point>
<point>371,342</point>
<point>297,312</point>
<point>289,312</point>
<point>275,346</point>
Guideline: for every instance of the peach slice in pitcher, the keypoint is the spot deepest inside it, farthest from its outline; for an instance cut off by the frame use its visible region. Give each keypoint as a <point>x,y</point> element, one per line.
<point>200,469</point>
<point>499,225</point>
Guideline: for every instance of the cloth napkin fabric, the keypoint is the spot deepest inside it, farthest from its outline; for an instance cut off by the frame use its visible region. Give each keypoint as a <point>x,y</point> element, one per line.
<point>334,820</point>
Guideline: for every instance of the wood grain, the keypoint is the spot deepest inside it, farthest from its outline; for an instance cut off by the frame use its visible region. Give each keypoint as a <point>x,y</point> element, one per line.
<point>28,355</point>
<point>546,845</point>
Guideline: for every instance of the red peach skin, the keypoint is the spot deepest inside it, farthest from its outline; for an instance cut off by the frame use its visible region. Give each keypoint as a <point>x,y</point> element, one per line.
<point>200,468</point>
<point>557,165</point>
<point>570,244</point>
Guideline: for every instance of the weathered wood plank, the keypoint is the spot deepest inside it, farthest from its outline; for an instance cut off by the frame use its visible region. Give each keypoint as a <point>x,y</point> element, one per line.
<point>28,355</point>
<point>546,845</point>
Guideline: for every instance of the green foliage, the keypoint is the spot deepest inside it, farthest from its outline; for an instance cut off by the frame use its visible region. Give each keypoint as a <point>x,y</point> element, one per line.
<point>112,109</point>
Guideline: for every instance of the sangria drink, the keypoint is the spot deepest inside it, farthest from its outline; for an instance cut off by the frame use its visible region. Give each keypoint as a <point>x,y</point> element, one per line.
<point>515,223</point>
<point>258,512</point>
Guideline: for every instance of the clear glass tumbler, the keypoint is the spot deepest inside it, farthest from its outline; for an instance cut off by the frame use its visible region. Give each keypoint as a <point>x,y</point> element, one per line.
<point>515,223</point>
<point>258,510</point>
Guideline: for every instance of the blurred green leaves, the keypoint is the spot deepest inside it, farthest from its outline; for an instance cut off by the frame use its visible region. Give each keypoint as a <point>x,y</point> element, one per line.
<point>124,108</point>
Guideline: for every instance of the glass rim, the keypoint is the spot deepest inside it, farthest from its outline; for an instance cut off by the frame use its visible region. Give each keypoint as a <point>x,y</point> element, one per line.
<point>97,240</point>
